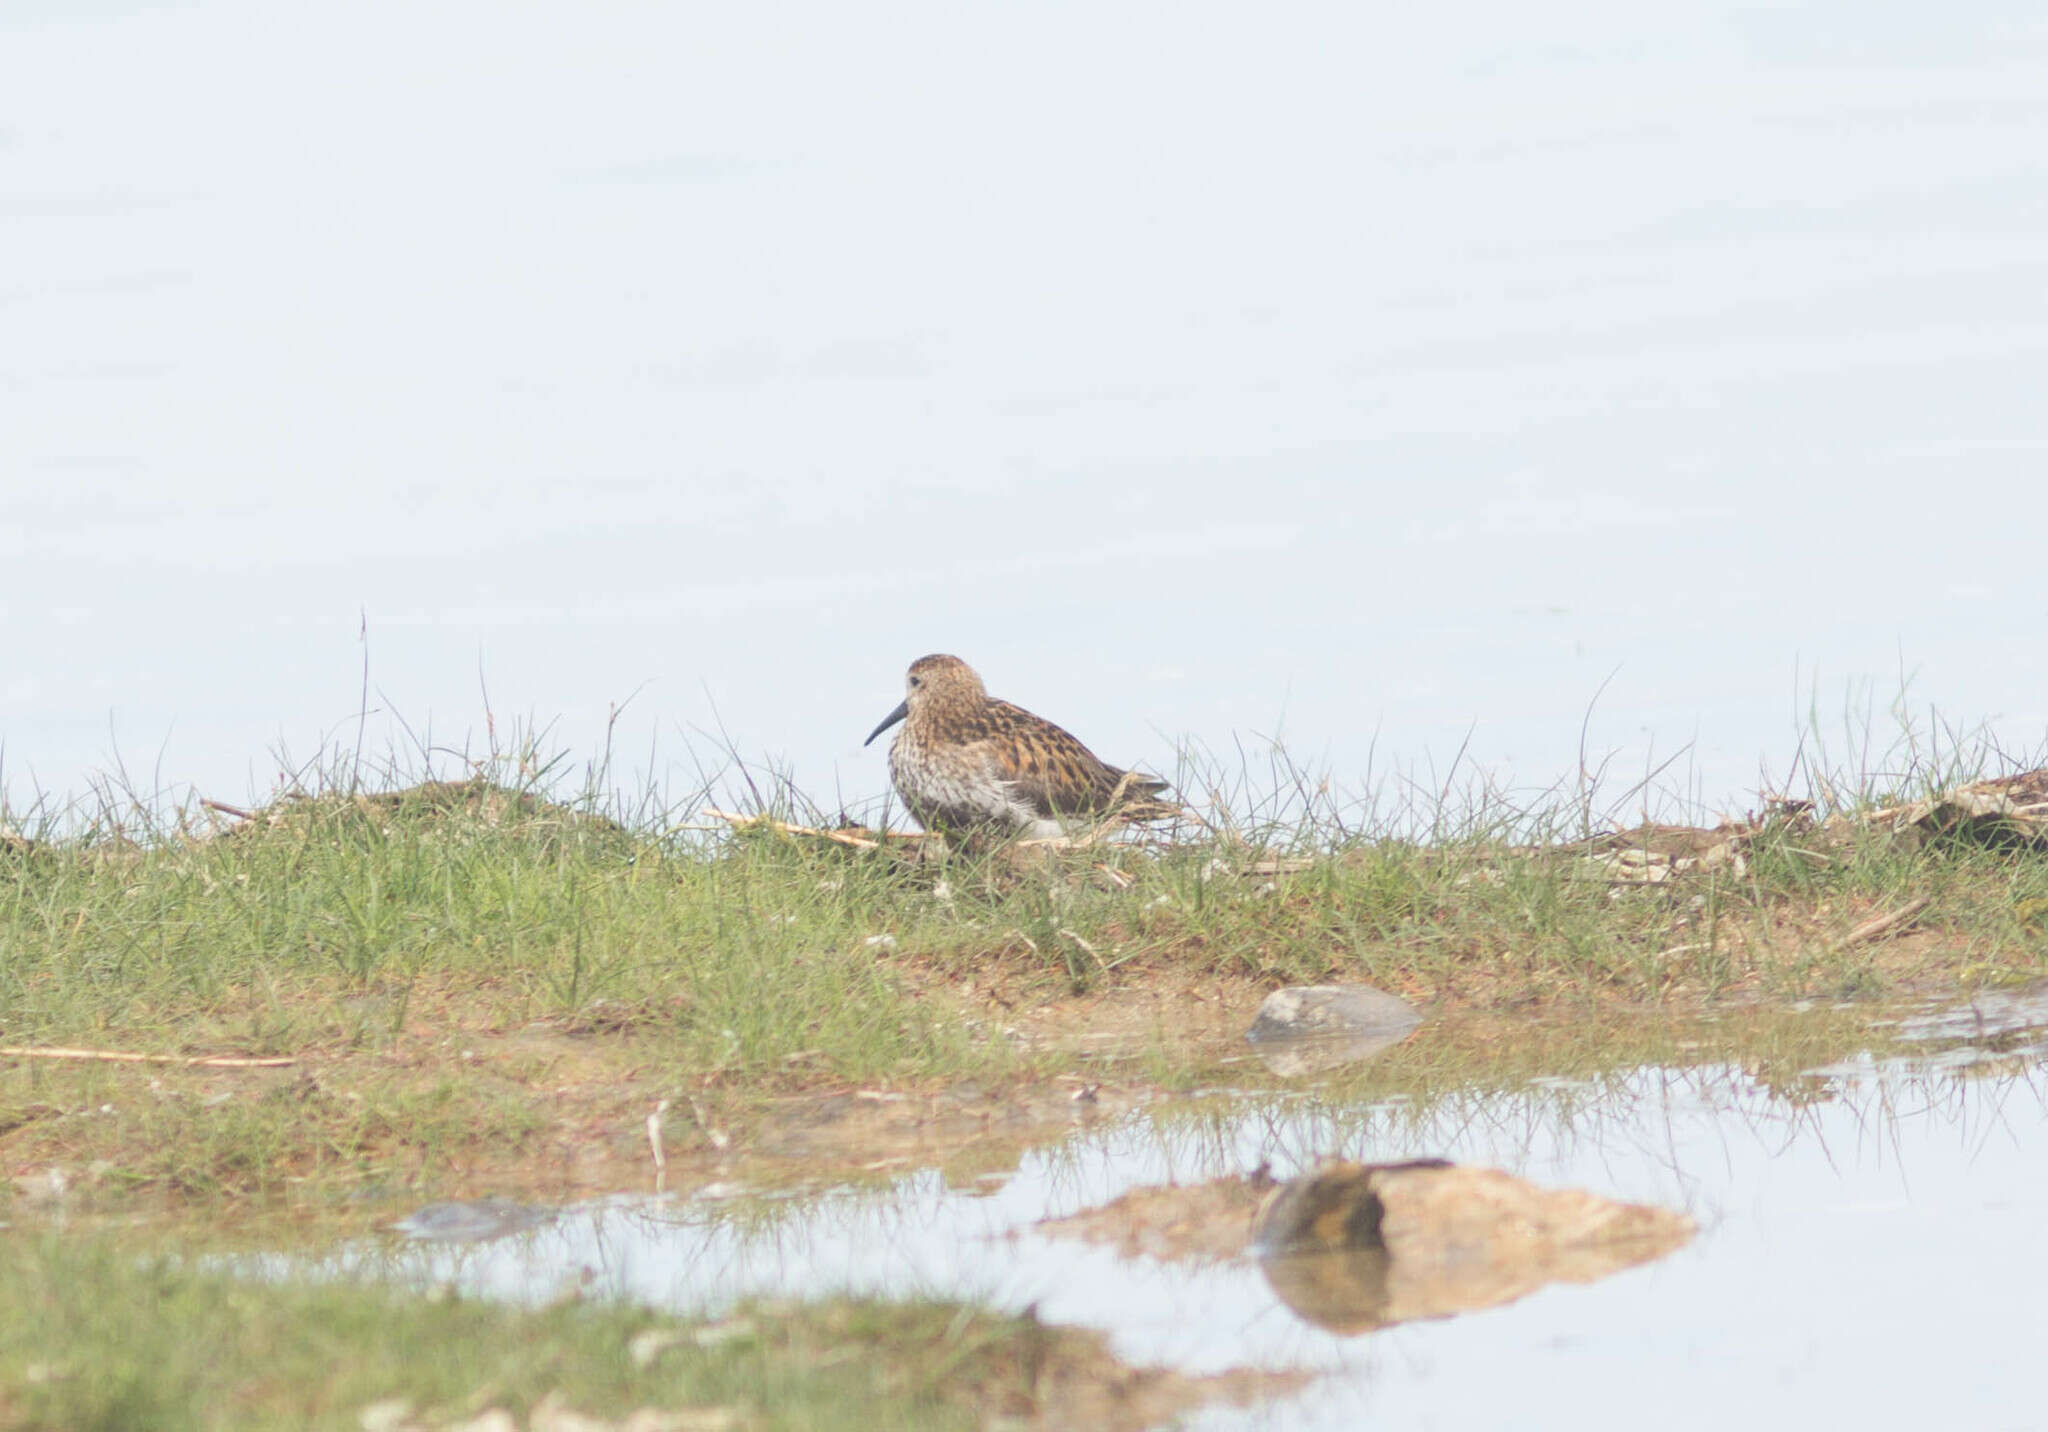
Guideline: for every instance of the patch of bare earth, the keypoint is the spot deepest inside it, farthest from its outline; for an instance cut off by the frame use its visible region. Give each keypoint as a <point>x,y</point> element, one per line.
<point>550,1111</point>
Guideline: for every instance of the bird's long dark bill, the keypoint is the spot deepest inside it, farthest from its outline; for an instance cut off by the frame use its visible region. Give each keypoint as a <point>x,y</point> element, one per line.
<point>902,710</point>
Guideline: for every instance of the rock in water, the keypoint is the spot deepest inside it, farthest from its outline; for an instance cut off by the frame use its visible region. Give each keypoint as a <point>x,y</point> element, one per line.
<point>1306,1029</point>
<point>1353,1247</point>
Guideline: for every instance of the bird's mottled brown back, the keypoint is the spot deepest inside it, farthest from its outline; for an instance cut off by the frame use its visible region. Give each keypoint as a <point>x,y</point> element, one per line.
<point>1048,766</point>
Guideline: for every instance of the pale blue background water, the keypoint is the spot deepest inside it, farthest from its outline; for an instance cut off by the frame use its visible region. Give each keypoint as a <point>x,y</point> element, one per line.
<point>1375,373</point>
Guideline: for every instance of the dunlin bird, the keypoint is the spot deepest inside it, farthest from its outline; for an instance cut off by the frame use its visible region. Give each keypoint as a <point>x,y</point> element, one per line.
<point>964,759</point>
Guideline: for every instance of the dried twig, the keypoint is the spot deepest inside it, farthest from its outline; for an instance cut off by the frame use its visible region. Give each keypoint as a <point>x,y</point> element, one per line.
<point>1279,865</point>
<point>842,837</point>
<point>1080,840</point>
<point>1087,949</point>
<point>719,1138</point>
<point>654,1146</point>
<point>1885,924</point>
<point>225,809</point>
<point>121,1056</point>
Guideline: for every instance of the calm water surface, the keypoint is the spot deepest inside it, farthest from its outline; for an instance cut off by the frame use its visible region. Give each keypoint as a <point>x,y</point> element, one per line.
<point>1870,1252</point>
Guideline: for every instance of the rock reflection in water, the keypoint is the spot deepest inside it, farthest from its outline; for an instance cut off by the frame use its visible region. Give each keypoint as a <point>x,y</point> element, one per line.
<point>1353,1247</point>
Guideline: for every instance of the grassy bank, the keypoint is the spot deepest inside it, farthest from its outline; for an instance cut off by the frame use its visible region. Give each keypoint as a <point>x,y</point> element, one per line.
<point>468,980</point>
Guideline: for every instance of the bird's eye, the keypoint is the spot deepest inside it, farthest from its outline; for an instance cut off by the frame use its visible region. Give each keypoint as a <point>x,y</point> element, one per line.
<point>917,681</point>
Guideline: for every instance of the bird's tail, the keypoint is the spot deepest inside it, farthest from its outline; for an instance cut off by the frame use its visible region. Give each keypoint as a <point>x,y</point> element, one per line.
<point>1139,800</point>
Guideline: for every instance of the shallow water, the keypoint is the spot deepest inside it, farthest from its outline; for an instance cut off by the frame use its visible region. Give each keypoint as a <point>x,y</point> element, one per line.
<point>1870,1252</point>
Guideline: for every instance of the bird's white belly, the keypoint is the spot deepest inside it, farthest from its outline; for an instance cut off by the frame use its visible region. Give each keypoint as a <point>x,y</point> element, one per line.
<point>961,796</point>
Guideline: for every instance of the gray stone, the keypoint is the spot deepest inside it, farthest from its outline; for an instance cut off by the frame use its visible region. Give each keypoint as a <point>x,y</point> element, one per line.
<point>1306,1029</point>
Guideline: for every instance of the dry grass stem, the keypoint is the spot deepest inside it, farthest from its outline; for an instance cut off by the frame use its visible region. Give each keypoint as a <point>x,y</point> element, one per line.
<point>122,1056</point>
